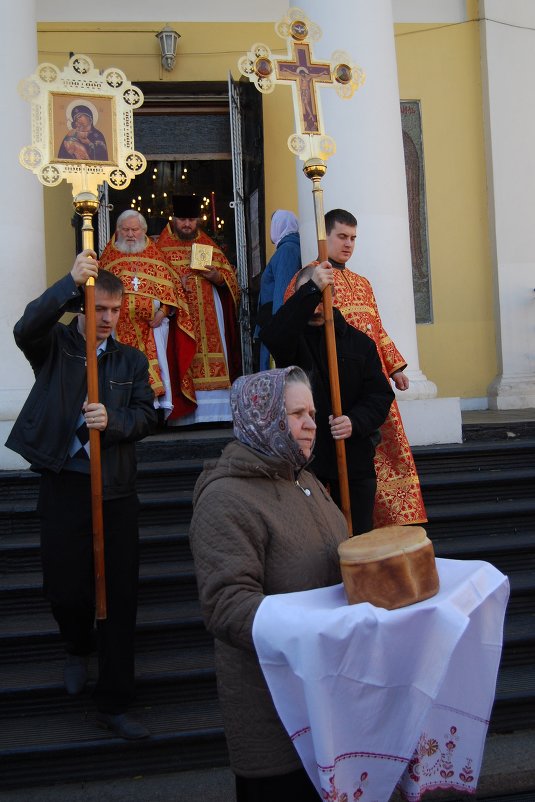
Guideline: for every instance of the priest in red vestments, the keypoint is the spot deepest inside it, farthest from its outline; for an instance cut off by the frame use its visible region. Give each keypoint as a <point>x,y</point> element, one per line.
<point>212,294</point>
<point>398,499</point>
<point>154,309</point>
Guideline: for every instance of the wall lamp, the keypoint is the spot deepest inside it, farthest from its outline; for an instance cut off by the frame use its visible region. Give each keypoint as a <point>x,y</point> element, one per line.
<point>168,39</point>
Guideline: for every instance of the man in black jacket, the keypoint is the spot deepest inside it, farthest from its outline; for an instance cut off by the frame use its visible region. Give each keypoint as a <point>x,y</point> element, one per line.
<point>51,432</point>
<point>295,336</point>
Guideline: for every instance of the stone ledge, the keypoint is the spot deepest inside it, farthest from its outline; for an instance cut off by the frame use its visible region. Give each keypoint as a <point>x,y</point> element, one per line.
<point>432,421</point>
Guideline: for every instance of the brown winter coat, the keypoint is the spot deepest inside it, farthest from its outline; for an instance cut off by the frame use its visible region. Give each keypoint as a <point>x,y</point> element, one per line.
<point>255,532</point>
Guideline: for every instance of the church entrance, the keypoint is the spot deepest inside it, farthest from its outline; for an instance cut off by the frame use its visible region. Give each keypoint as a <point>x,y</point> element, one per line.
<point>203,139</point>
<point>151,194</point>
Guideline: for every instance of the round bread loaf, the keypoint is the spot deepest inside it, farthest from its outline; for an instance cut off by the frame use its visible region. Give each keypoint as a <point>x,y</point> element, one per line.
<point>390,567</point>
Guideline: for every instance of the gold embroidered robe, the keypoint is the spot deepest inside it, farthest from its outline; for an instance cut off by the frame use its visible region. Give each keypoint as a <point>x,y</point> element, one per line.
<point>398,499</point>
<point>149,272</point>
<point>209,367</point>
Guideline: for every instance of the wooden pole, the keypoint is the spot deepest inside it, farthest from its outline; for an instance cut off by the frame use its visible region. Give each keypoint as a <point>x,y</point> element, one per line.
<point>315,169</point>
<point>86,204</point>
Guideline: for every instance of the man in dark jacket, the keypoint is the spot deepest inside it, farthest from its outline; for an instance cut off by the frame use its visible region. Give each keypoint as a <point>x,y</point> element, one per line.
<point>51,432</point>
<point>295,335</point>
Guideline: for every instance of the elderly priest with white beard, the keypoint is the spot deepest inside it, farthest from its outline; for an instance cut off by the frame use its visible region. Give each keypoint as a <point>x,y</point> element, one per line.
<point>154,310</point>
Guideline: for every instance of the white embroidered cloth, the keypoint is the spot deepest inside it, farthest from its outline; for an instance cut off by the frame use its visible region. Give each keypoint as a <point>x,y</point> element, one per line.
<point>375,699</point>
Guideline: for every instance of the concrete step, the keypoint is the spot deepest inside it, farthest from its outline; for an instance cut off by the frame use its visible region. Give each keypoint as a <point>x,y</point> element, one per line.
<point>34,636</point>
<point>69,746</point>
<point>158,582</point>
<point>168,463</point>
<point>474,456</point>
<point>49,738</point>
<point>509,761</point>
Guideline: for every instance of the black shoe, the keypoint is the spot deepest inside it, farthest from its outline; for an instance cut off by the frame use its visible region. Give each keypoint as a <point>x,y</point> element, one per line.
<point>123,726</point>
<point>75,673</point>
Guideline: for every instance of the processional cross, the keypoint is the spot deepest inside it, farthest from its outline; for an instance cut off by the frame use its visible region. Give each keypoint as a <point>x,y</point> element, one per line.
<point>313,146</point>
<point>83,132</point>
<point>306,74</point>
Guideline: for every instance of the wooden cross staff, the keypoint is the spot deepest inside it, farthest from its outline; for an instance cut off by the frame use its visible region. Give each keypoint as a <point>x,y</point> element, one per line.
<point>86,205</point>
<point>313,146</point>
<point>108,97</point>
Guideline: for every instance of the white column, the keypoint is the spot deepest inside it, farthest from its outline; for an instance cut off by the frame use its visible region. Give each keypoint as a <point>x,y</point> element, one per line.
<point>508,65</point>
<point>22,220</point>
<point>366,176</point>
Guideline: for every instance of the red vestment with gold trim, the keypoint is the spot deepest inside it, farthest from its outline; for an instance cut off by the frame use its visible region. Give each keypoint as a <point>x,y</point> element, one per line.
<point>398,499</point>
<point>209,368</point>
<point>147,277</point>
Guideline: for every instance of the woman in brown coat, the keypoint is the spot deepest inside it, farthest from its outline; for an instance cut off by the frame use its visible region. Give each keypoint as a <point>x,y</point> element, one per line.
<point>262,524</point>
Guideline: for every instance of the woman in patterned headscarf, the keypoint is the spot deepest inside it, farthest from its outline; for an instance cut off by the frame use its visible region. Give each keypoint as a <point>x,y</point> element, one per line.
<point>262,524</point>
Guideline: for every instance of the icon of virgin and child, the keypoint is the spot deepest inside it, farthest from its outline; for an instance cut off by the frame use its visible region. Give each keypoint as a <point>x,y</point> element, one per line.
<point>83,141</point>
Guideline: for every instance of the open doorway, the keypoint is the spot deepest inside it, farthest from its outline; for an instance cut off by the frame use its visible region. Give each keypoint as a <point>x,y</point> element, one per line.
<point>151,194</point>
<point>204,139</point>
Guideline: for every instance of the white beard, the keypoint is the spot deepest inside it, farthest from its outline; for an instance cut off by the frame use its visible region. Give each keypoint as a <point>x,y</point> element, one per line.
<point>130,247</point>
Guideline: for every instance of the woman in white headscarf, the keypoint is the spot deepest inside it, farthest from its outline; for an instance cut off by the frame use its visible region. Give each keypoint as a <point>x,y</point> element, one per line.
<point>262,524</point>
<point>280,270</point>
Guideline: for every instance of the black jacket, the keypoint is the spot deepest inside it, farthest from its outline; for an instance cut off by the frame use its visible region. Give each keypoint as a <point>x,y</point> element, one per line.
<point>365,392</point>
<point>44,430</point>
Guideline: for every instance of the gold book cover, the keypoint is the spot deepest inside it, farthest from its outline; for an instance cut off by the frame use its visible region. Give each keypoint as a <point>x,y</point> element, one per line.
<point>201,256</point>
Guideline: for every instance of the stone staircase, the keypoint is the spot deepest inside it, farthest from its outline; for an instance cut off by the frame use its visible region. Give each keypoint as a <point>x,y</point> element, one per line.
<point>481,505</point>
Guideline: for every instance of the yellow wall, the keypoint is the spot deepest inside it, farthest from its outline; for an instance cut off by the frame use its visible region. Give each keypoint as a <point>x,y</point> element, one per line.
<point>206,52</point>
<point>59,233</point>
<point>440,66</point>
<point>281,177</point>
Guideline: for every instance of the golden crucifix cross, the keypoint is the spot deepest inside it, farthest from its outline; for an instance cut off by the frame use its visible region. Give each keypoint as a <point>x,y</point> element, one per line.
<point>312,145</point>
<point>304,75</point>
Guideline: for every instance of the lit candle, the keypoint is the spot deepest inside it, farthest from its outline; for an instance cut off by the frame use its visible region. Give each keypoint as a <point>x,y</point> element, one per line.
<point>212,197</point>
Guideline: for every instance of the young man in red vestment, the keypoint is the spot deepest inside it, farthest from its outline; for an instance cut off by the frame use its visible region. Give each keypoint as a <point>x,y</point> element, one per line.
<point>295,335</point>
<point>212,294</point>
<point>398,498</point>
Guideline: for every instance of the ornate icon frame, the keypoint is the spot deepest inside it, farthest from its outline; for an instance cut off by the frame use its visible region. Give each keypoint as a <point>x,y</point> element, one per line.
<point>108,94</point>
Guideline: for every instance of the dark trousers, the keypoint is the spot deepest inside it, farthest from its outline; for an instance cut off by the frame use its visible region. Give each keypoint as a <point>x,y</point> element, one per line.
<point>293,787</point>
<point>361,498</point>
<point>68,580</point>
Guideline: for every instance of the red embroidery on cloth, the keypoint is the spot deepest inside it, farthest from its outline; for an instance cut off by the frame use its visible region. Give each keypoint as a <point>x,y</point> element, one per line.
<point>398,499</point>
<point>430,768</point>
<point>333,795</point>
<point>298,733</point>
<point>442,769</point>
<point>465,773</point>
